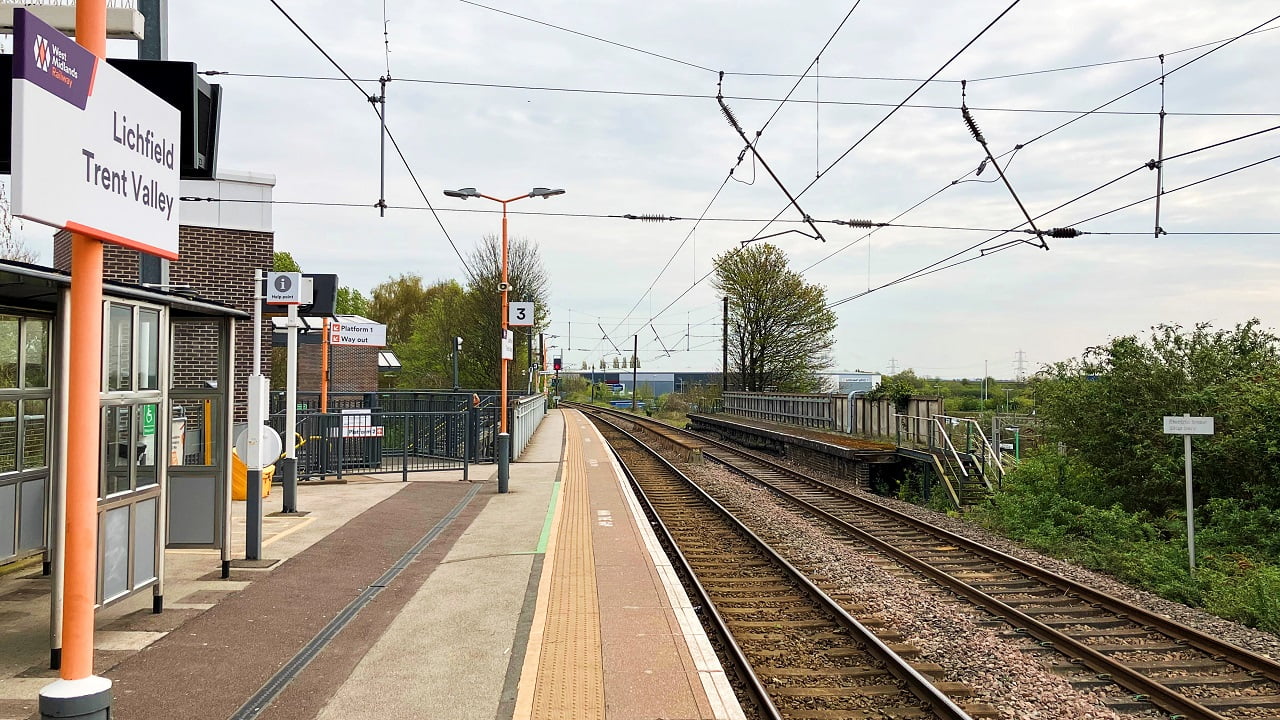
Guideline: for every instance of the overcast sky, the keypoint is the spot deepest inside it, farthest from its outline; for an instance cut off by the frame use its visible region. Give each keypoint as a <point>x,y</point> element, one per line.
<point>600,121</point>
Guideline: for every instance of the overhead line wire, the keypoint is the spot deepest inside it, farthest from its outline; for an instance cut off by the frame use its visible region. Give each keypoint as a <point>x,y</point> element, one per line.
<point>745,98</point>
<point>854,223</point>
<point>400,152</point>
<point>933,267</point>
<point>801,78</point>
<point>750,145</point>
<point>586,35</point>
<point>1063,125</point>
<point>891,113</point>
<point>1006,76</point>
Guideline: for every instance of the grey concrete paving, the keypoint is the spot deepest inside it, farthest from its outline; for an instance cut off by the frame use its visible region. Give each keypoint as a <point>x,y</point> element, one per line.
<point>449,652</point>
<point>191,587</point>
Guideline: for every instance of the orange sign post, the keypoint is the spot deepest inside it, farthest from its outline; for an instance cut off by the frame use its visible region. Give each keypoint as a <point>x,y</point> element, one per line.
<point>74,165</point>
<point>78,684</point>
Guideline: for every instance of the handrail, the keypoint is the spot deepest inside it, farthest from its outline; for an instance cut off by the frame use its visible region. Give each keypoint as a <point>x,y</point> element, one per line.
<point>985,443</point>
<point>942,431</point>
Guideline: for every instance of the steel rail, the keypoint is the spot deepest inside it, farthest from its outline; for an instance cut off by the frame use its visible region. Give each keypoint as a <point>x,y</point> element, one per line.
<point>1161,695</point>
<point>1169,699</point>
<point>912,679</point>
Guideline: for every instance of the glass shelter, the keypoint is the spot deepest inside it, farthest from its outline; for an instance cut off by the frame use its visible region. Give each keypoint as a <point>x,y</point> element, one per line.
<point>165,462</point>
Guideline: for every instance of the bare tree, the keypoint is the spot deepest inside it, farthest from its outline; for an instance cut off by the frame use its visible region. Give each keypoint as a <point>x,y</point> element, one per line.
<point>11,247</point>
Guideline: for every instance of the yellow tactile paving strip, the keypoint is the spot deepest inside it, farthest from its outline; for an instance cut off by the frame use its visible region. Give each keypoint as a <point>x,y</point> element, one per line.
<point>566,661</point>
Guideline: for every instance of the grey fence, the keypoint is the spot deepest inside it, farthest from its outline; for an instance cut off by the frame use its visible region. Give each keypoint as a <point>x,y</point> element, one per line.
<point>852,414</point>
<point>363,441</point>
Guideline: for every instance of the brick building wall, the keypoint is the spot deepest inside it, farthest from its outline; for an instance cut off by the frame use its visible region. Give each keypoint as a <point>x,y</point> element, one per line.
<point>117,262</point>
<point>351,368</point>
<point>218,264</point>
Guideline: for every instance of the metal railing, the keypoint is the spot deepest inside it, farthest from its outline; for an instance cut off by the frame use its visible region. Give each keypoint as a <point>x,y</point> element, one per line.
<point>975,443</point>
<point>370,442</point>
<point>483,422</point>
<point>527,415</point>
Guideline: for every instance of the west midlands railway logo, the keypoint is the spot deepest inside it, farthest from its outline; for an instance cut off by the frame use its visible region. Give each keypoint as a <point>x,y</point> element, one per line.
<point>42,53</point>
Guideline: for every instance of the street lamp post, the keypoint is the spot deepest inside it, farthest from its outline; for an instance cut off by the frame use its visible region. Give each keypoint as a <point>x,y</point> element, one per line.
<point>504,438</point>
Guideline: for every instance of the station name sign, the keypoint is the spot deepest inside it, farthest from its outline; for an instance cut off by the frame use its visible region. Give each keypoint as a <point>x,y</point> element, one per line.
<point>93,151</point>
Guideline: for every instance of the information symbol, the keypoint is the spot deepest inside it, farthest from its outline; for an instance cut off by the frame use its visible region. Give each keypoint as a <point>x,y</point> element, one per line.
<point>283,283</point>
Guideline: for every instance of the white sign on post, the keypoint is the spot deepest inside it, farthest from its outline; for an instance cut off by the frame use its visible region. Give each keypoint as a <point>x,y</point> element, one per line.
<point>284,288</point>
<point>508,345</point>
<point>367,334</point>
<point>93,151</point>
<point>520,314</point>
<point>1187,425</point>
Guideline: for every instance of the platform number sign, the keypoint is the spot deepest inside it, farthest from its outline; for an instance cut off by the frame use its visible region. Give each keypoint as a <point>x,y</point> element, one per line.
<point>520,314</point>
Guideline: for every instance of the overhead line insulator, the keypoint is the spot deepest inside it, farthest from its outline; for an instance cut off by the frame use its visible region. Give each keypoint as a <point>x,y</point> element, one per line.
<point>973,126</point>
<point>649,217</point>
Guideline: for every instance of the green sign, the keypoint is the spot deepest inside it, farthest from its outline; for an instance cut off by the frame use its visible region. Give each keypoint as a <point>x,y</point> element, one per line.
<point>148,420</point>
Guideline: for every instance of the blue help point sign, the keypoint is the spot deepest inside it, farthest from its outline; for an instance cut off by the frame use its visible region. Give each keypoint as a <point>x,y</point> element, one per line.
<point>93,151</point>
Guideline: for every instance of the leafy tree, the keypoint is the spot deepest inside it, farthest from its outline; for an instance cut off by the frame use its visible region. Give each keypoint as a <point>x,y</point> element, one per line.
<point>1106,407</point>
<point>398,302</point>
<point>282,261</point>
<point>480,310</point>
<point>780,331</point>
<point>351,301</point>
<point>426,355</point>
<point>616,363</point>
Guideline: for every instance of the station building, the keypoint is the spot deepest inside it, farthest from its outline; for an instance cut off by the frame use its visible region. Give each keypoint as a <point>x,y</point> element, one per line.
<point>176,357</point>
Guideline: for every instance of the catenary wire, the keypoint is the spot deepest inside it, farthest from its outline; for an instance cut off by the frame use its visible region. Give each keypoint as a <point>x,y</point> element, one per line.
<point>399,152</point>
<point>585,35</point>
<point>934,267</point>
<point>801,78</point>
<point>747,98</point>
<point>891,113</point>
<point>1063,125</point>
<point>1042,71</point>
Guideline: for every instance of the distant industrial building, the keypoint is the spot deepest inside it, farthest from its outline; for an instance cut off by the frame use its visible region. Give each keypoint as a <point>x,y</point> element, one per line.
<point>659,383</point>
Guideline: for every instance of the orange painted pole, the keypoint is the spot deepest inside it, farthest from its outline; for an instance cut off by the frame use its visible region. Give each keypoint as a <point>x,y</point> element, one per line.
<point>83,436</point>
<point>502,427</point>
<point>324,369</point>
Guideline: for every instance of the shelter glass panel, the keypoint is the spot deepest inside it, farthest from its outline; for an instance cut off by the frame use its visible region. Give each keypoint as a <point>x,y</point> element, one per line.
<point>115,552</point>
<point>9,334</point>
<point>146,423</point>
<point>8,519</point>
<point>8,436</point>
<point>119,347</point>
<point>31,514</point>
<point>148,349</point>
<point>144,542</point>
<point>35,433</point>
<point>118,437</point>
<point>36,354</point>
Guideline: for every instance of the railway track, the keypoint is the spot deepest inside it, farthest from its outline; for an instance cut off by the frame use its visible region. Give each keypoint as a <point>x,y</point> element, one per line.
<point>1093,638</point>
<point>805,657</point>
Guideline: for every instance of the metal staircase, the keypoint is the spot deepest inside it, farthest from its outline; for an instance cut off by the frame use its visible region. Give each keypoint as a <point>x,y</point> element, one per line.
<point>957,450</point>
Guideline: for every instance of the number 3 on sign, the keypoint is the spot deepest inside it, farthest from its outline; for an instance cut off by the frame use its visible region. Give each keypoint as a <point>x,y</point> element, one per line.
<point>520,313</point>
